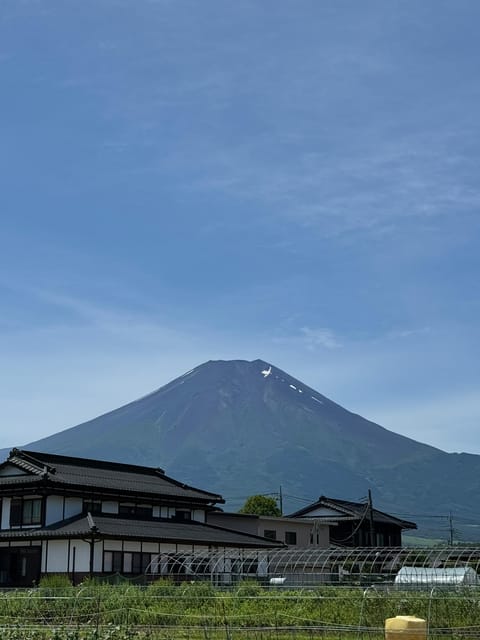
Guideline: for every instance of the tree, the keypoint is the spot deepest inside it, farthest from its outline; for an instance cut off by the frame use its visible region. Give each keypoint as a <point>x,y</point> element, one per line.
<point>260,506</point>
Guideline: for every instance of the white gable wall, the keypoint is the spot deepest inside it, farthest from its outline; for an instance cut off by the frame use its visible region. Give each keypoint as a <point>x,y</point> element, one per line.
<point>323,512</point>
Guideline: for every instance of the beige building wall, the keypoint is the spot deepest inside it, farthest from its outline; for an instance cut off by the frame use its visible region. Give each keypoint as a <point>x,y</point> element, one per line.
<point>293,532</point>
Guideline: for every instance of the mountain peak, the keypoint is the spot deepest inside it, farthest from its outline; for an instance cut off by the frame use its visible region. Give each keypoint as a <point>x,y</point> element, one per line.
<point>244,427</point>
<point>233,363</point>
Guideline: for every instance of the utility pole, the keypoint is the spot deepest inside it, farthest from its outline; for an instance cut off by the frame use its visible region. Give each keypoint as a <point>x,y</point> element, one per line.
<point>450,522</point>
<point>370,515</point>
<point>280,500</point>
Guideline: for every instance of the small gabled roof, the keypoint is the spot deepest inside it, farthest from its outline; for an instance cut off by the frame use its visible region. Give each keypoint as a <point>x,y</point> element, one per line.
<point>112,527</point>
<point>348,510</point>
<point>87,474</point>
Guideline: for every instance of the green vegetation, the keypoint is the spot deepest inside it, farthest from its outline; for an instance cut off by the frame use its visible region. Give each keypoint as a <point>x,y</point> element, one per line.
<point>199,611</point>
<point>261,506</point>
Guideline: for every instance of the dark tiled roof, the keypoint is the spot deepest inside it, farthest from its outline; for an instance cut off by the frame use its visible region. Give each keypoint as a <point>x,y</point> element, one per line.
<point>104,526</point>
<point>20,479</point>
<point>352,511</point>
<point>88,474</point>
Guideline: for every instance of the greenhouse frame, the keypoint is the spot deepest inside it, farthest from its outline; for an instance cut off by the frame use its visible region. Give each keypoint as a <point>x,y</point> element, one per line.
<point>311,567</point>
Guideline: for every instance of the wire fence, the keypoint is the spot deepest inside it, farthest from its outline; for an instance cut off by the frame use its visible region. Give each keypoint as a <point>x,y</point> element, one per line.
<point>258,595</point>
<point>166,610</point>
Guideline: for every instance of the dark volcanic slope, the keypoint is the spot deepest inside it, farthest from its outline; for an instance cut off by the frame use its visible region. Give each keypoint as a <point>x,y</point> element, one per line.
<point>228,427</point>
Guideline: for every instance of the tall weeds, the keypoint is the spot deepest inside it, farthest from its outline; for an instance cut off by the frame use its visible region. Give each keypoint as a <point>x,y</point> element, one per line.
<point>199,611</point>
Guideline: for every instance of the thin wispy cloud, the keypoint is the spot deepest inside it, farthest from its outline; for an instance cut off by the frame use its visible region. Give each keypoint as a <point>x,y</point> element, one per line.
<point>186,181</point>
<point>297,160</point>
<point>321,337</point>
<point>410,183</point>
<point>408,333</point>
<point>311,339</point>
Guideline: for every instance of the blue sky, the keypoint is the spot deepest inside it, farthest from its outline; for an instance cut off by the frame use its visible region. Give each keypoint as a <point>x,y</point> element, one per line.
<point>296,181</point>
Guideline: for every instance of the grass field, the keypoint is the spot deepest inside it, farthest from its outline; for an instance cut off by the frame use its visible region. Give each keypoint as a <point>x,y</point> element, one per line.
<point>248,612</point>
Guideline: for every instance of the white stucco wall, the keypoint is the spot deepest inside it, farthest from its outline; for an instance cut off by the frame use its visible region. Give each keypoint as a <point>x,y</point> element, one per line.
<point>73,506</point>
<point>54,509</point>
<point>98,556</point>
<point>185,547</point>
<point>113,545</point>
<point>82,556</point>
<point>199,547</point>
<point>56,556</point>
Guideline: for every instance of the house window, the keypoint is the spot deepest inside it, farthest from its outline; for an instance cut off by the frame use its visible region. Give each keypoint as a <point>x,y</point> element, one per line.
<point>25,511</point>
<point>144,511</point>
<point>290,537</point>
<point>140,562</point>
<point>182,514</point>
<point>271,534</point>
<point>126,509</point>
<point>92,506</point>
<point>130,509</point>
<point>126,562</point>
<point>112,561</point>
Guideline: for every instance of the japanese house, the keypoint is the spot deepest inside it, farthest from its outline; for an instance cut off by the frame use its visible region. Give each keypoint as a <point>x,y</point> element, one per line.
<point>79,517</point>
<point>357,524</point>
